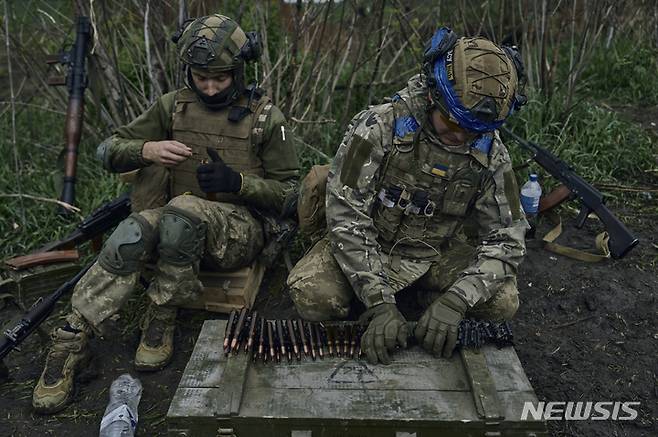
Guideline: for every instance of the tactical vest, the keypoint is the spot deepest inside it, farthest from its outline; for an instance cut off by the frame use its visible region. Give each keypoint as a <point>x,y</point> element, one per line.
<point>425,192</point>
<point>236,142</point>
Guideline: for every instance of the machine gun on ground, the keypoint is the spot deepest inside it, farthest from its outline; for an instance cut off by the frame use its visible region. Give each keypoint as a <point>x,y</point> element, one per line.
<point>621,239</point>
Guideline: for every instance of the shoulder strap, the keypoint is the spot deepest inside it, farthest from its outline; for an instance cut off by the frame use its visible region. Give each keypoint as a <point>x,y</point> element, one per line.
<point>261,110</point>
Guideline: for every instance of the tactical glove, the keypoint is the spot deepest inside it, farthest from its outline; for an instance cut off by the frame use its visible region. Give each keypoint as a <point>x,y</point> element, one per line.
<point>437,329</point>
<point>386,328</point>
<point>217,177</point>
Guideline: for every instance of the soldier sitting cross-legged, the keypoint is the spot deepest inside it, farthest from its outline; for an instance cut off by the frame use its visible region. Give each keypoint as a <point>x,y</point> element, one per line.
<point>407,180</point>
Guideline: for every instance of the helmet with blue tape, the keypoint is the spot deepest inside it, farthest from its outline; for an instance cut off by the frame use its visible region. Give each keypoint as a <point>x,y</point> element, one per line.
<point>472,80</point>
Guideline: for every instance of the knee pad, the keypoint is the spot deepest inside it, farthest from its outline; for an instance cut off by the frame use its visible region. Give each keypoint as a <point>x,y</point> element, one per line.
<point>182,236</point>
<point>126,247</point>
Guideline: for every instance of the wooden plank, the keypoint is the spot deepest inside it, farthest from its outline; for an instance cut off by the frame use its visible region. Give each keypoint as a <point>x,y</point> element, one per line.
<point>406,372</point>
<point>362,404</point>
<point>506,369</point>
<point>225,291</point>
<point>483,388</point>
<point>206,365</point>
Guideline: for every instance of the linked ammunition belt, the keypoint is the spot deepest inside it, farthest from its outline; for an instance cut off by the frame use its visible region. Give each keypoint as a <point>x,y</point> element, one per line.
<point>273,340</point>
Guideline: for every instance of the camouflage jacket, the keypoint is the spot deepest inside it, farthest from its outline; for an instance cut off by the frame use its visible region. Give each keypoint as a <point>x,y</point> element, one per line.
<point>361,239</point>
<point>122,152</point>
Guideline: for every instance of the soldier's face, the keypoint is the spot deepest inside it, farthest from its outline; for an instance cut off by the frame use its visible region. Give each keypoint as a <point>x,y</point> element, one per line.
<point>449,133</point>
<point>212,84</point>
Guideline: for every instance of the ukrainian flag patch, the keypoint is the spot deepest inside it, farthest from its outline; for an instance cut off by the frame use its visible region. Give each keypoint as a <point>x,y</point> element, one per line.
<point>440,170</point>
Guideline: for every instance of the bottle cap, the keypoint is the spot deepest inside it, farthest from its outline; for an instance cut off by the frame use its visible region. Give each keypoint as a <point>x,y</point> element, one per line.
<point>533,177</point>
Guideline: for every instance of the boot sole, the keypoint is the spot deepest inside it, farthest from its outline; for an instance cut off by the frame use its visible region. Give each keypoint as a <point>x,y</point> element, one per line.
<point>149,367</point>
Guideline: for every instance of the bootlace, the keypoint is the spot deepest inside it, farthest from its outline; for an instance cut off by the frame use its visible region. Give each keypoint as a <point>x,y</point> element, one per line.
<point>56,360</point>
<point>154,326</point>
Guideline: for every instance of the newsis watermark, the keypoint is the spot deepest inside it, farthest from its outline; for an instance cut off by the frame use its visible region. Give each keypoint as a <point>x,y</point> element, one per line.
<point>581,410</point>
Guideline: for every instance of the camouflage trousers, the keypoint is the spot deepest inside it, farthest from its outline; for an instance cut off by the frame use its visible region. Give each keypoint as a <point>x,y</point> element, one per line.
<point>321,291</point>
<point>233,240</point>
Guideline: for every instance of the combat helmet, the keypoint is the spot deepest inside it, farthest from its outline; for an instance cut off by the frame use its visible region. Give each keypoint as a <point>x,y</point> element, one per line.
<point>473,81</point>
<point>212,44</point>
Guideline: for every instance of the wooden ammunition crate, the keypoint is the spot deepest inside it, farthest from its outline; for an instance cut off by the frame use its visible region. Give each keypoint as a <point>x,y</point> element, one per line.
<point>224,291</point>
<point>30,284</point>
<point>475,393</point>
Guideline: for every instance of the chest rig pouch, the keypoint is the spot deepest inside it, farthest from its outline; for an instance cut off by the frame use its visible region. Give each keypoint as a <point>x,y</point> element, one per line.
<point>235,139</point>
<point>424,193</point>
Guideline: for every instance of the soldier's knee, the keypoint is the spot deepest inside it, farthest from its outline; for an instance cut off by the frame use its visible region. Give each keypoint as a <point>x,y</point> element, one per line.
<point>128,245</point>
<point>502,306</point>
<point>318,308</point>
<point>182,236</point>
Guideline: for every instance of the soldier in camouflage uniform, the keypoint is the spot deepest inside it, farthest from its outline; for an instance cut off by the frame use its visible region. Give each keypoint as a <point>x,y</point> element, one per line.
<point>410,181</point>
<point>207,156</point>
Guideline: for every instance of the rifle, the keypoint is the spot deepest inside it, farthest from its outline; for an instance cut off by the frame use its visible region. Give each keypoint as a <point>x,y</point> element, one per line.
<point>38,312</point>
<point>98,222</point>
<point>591,199</point>
<point>76,82</point>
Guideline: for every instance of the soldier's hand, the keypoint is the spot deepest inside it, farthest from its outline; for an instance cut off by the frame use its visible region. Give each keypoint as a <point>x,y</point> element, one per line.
<point>217,177</point>
<point>167,153</point>
<point>437,329</point>
<point>386,329</point>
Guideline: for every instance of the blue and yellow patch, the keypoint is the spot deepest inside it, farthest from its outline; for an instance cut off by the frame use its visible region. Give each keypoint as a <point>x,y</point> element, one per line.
<point>440,170</point>
<point>405,125</point>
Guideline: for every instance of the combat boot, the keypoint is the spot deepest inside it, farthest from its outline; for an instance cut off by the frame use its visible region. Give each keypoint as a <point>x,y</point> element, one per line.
<point>156,346</point>
<point>68,354</point>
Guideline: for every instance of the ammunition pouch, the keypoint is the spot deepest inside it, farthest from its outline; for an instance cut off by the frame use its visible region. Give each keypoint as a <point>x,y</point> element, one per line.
<point>127,246</point>
<point>311,202</point>
<point>182,237</point>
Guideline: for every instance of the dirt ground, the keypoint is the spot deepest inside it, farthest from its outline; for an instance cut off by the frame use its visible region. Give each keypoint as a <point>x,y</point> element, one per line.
<point>584,332</point>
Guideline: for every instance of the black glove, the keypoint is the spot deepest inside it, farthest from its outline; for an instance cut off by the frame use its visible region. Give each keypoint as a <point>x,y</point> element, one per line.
<point>386,328</point>
<point>437,329</point>
<point>217,177</point>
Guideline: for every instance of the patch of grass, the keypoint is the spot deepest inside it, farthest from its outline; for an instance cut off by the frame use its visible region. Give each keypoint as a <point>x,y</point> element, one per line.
<point>623,73</point>
<point>39,144</point>
<point>596,141</point>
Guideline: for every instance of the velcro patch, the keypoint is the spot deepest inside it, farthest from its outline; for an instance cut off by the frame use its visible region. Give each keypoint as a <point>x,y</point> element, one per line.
<point>512,194</point>
<point>358,154</point>
<point>405,125</point>
<point>440,170</point>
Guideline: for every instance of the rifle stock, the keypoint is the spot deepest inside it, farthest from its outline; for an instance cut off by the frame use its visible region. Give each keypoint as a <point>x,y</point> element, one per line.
<point>621,239</point>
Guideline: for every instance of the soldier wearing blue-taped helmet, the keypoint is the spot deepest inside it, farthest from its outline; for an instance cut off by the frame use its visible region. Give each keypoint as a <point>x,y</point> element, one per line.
<point>408,180</point>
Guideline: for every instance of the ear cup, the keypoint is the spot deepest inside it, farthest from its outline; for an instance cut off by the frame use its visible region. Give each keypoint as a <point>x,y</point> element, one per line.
<point>440,43</point>
<point>514,54</point>
<point>253,48</point>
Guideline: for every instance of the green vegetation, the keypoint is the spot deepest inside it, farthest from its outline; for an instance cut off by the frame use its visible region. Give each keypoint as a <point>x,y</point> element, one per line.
<point>584,128</point>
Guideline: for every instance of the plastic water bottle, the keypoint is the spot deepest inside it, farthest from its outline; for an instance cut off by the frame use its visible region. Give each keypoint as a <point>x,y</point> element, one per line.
<point>530,194</point>
<point>120,418</point>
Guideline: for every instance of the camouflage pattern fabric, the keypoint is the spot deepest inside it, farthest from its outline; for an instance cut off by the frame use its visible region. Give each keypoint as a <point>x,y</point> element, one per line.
<point>321,291</point>
<point>373,267</point>
<point>234,239</point>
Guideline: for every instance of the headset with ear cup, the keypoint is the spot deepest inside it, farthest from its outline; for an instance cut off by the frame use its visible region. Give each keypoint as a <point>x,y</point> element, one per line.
<point>253,48</point>
<point>480,117</point>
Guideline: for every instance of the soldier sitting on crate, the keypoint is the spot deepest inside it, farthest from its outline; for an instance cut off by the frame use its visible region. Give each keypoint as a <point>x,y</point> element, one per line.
<point>170,143</point>
<point>408,177</point>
